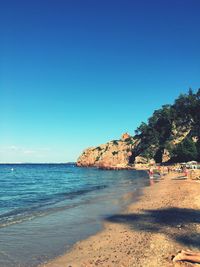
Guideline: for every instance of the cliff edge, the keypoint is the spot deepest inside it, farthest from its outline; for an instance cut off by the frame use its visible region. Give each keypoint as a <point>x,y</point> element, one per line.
<point>114,154</point>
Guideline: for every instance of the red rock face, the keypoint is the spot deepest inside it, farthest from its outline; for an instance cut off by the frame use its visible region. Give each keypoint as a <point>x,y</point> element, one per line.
<point>114,154</point>
<point>125,136</point>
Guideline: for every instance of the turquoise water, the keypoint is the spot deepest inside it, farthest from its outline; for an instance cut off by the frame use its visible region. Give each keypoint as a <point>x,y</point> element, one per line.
<point>46,208</point>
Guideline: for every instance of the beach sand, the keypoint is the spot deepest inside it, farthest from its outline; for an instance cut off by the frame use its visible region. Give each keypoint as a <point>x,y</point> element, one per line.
<point>165,219</point>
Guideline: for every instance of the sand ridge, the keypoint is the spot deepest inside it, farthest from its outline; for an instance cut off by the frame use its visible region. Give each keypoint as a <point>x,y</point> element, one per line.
<point>165,219</point>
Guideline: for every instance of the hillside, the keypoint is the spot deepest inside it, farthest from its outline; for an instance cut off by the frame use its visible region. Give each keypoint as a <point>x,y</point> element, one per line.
<point>170,135</point>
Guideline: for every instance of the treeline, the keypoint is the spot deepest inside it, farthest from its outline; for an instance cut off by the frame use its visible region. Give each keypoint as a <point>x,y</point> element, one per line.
<point>173,128</point>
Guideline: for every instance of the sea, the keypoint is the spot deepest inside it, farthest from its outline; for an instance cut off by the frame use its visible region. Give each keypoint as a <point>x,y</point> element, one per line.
<point>46,208</point>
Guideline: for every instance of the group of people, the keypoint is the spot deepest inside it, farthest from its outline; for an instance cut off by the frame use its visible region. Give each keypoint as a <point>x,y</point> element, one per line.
<point>163,170</point>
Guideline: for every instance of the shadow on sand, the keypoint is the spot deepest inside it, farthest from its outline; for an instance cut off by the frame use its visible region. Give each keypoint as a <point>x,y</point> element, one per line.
<point>176,223</point>
<point>180,178</point>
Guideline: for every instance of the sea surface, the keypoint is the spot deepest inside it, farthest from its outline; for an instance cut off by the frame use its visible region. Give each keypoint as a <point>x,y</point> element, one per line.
<point>46,208</point>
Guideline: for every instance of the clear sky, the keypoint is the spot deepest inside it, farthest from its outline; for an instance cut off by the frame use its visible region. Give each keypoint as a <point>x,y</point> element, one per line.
<point>75,74</point>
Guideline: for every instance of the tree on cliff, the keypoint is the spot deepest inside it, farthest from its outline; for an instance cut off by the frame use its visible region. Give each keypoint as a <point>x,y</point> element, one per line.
<point>172,133</point>
<point>185,151</point>
<point>170,123</point>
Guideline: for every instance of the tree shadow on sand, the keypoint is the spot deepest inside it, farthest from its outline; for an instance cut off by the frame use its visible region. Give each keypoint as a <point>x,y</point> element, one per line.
<point>176,223</point>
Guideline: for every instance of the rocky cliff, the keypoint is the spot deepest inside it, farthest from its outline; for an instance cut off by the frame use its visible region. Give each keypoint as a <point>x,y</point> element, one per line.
<point>172,134</point>
<point>114,154</point>
<point>126,152</point>
<point>133,151</point>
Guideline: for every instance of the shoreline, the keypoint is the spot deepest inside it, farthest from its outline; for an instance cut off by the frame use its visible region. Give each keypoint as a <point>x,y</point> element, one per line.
<point>165,219</point>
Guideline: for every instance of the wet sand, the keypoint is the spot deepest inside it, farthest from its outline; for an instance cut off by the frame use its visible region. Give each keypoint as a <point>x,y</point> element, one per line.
<point>164,220</point>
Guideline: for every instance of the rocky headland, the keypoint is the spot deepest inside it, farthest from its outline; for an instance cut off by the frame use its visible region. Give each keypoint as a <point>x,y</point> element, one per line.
<point>114,154</point>
<point>170,135</point>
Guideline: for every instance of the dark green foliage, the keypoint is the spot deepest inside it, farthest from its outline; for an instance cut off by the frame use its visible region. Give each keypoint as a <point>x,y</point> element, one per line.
<point>97,158</point>
<point>148,153</point>
<point>185,151</point>
<point>115,153</point>
<point>106,149</point>
<point>129,141</point>
<point>115,142</point>
<point>169,123</point>
<point>158,155</point>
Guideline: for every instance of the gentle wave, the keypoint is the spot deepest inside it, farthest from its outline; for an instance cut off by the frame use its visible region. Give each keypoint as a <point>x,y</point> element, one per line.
<point>42,208</point>
<point>47,208</point>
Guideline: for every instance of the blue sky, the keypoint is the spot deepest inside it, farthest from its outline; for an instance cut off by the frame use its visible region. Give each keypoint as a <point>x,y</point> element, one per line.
<point>75,74</point>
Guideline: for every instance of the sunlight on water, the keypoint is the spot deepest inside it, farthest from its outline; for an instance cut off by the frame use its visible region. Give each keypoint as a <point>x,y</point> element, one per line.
<point>44,209</point>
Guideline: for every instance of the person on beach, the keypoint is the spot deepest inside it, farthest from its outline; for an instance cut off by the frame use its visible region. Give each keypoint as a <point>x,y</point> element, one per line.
<point>187,255</point>
<point>186,172</point>
<point>151,173</point>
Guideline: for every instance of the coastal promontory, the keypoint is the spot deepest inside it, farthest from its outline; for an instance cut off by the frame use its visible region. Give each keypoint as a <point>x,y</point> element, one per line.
<point>116,153</point>
<point>171,134</point>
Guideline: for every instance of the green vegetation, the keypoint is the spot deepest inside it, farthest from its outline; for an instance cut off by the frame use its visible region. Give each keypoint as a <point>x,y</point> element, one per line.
<point>185,151</point>
<point>115,142</point>
<point>98,158</point>
<point>99,148</point>
<point>180,121</point>
<point>115,153</point>
<point>129,141</point>
<point>106,149</point>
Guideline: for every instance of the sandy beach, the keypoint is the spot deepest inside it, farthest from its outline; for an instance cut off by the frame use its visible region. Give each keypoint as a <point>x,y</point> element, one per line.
<point>164,220</point>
